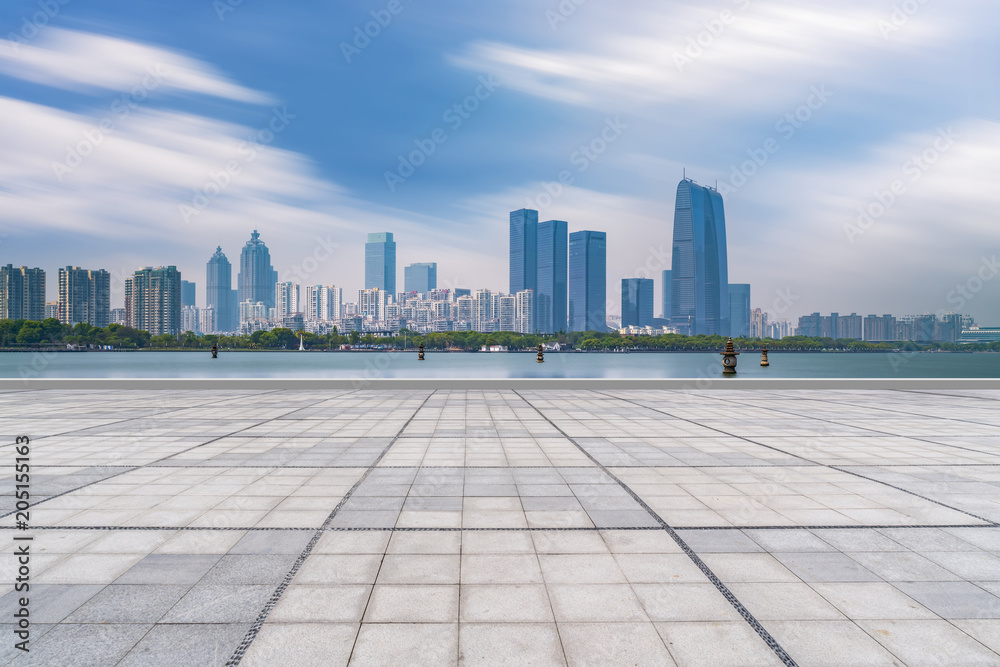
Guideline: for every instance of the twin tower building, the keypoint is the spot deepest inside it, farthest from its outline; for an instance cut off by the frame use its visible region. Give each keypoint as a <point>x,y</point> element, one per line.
<point>568,272</point>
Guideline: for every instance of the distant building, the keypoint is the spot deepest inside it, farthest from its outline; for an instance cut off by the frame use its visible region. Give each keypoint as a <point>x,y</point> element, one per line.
<point>190,319</point>
<point>322,302</point>
<point>836,325</point>
<point>206,320</point>
<point>189,296</point>
<point>372,304</point>
<point>525,318</point>
<point>508,312</point>
<point>52,309</point>
<point>739,310</point>
<point>699,267</point>
<point>380,263</point>
<point>552,295</point>
<point>523,270</point>
<point>119,316</point>
<point>851,326</point>
<point>22,293</point>
<point>759,327</point>
<point>665,295</point>
<point>587,281</point>
<point>220,295</point>
<point>257,277</point>
<point>778,329</point>
<point>420,278</point>
<point>637,302</point>
<point>153,300</point>
<point>879,328</point>
<point>645,331</point>
<point>978,334</point>
<point>253,310</point>
<point>286,299</point>
<point>84,296</point>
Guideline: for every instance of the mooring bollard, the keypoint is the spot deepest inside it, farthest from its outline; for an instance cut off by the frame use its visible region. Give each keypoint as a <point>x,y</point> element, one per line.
<point>729,359</point>
<point>540,357</point>
<point>420,352</point>
<point>763,357</point>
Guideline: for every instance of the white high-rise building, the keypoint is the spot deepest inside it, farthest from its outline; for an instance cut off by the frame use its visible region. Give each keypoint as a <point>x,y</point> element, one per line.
<point>190,320</point>
<point>322,302</point>
<point>250,310</point>
<point>758,323</point>
<point>508,312</point>
<point>208,320</point>
<point>483,311</point>
<point>525,322</point>
<point>372,303</point>
<point>286,299</point>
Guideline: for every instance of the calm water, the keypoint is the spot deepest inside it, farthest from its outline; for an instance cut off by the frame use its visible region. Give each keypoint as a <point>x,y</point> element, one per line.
<point>354,365</point>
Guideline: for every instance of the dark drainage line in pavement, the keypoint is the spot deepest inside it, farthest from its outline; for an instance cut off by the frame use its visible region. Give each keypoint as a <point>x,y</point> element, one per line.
<point>283,586</point>
<point>721,587</point>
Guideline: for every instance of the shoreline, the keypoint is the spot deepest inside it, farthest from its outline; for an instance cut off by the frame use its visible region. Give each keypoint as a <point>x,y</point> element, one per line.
<point>743,350</point>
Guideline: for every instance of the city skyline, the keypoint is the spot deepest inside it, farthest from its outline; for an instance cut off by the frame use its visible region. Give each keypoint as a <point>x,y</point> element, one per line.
<point>833,145</point>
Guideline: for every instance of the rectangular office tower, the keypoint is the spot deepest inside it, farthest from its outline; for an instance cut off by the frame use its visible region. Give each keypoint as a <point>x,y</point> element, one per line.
<point>84,296</point>
<point>588,253</point>
<point>380,262</point>
<point>699,299</point>
<point>421,277</point>
<point>153,300</point>
<point>637,302</point>
<point>553,291</point>
<point>22,293</point>
<point>189,295</point>
<point>523,250</point>
<point>739,310</point>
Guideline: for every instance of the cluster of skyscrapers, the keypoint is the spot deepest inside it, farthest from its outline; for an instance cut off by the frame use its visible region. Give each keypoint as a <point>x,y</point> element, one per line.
<point>567,273</point>
<point>557,283</point>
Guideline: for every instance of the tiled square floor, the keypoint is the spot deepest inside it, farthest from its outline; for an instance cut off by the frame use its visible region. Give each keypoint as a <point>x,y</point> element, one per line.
<point>507,527</point>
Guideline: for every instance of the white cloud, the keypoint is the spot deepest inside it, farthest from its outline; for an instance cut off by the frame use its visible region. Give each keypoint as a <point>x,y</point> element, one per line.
<point>679,53</point>
<point>85,61</point>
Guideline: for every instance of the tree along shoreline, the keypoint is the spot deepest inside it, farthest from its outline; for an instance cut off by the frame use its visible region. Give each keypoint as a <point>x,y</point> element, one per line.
<point>51,335</point>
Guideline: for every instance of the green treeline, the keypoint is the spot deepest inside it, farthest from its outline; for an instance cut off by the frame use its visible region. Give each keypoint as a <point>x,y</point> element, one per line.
<point>25,334</point>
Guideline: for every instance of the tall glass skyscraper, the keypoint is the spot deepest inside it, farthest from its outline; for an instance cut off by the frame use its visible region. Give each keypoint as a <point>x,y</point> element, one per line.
<point>219,293</point>
<point>189,293</point>
<point>257,277</point>
<point>420,277</point>
<point>588,281</point>
<point>637,302</point>
<point>699,268</point>
<point>739,310</point>
<point>380,262</point>
<point>523,250</point>
<point>552,293</point>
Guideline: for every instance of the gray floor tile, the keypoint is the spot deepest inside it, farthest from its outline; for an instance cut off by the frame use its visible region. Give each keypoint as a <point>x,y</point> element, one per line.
<point>169,569</point>
<point>193,645</point>
<point>145,603</point>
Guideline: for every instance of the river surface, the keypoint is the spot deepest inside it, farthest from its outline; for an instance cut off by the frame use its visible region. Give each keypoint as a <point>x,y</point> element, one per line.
<point>373,364</point>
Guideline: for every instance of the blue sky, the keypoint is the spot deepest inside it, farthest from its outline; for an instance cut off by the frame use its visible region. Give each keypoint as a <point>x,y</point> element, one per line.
<point>828,101</point>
